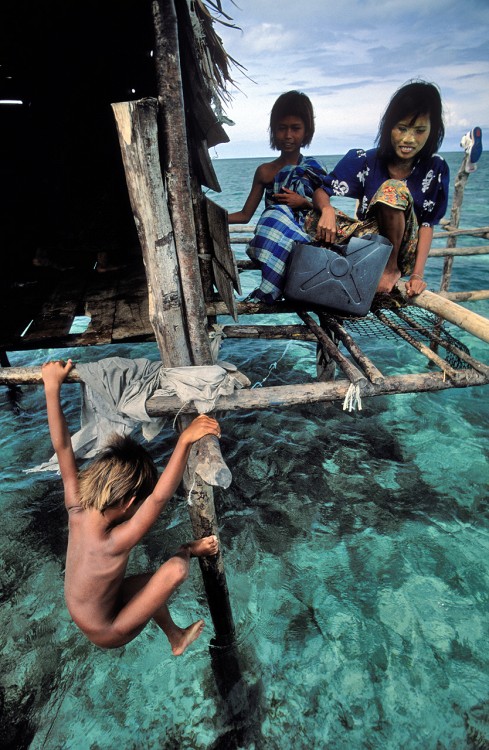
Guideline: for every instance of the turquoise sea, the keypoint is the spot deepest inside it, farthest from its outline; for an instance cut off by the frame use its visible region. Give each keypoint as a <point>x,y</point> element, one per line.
<point>356,548</point>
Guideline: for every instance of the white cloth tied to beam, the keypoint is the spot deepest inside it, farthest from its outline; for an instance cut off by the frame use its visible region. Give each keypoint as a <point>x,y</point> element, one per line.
<point>115,391</point>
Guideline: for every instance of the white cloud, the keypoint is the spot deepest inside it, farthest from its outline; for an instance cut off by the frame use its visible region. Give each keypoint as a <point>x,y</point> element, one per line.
<point>350,57</point>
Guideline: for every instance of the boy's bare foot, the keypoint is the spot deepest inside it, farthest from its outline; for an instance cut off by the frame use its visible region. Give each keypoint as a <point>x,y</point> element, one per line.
<point>186,637</point>
<point>388,280</point>
<point>204,547</point>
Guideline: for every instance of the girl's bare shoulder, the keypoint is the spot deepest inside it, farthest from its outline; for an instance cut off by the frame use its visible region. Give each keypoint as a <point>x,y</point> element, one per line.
<point>267,171</point>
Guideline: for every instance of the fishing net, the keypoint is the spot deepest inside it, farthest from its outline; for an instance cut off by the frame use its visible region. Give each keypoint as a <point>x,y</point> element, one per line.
<point>421,325</point>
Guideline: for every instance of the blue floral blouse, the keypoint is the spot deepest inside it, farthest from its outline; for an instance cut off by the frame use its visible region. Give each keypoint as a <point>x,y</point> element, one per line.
<point>360,173</point>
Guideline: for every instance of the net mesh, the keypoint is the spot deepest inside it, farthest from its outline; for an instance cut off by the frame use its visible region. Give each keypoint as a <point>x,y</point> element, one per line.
<point>420,324</point>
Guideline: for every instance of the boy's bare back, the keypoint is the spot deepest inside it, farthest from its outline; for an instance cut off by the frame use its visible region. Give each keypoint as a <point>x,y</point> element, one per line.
<point>95,569</point>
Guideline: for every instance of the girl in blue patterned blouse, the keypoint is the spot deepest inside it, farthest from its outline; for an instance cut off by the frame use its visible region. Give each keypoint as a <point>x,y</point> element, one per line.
<point>288,183</point>
<point>401,186</point>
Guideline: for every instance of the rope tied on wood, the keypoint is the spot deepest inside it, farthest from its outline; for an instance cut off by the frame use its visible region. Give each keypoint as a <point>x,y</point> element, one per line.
<point>353,398</point>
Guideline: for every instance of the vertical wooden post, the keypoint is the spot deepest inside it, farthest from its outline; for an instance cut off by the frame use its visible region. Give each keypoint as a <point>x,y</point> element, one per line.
<point>204,522</point>
<point>138,139</point>
<point>458,196</point>
<point>175,158</point>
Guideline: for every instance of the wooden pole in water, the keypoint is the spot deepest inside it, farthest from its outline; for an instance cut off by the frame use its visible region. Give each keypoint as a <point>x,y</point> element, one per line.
<point>458,196</point>
<point>175,158</point>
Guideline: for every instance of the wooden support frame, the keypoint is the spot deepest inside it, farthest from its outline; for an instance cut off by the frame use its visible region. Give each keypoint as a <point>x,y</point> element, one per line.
<point>353,374</point>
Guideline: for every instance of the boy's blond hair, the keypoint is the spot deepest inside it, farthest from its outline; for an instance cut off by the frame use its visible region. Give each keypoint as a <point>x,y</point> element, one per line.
<point>123,470</point>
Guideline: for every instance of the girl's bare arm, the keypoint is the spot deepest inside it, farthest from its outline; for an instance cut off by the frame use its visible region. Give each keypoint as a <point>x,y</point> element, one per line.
<point>253,200</point>
<point>416,283</point>
<point>326,228</point>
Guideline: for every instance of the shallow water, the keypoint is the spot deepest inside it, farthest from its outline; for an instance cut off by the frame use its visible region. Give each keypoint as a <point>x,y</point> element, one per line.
<point>356,549</point>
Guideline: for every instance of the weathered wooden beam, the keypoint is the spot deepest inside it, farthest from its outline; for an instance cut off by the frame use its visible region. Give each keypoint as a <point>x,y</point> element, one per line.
<point>448,231</point>
<point>292,332</point>
<point>309,393</point>
<point>441,252</point>
<point>138,138</point>
<point>452,231</point>
<point>203,518</point>
<point>448,310</point>
<point>368,367</point>
<point>175,158</point>
<point>252,308</point>
<point>458,196</point>
<point>332,352</point>
<point>30,376</point>
<point>278,396</point>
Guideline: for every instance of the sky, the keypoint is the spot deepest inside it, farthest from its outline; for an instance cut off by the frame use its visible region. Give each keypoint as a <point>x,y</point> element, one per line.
<point>349,57</point>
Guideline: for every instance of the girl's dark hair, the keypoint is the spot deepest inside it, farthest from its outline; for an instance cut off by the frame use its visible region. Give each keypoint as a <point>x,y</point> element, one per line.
<point>412,100</point>
<point>292,103</point>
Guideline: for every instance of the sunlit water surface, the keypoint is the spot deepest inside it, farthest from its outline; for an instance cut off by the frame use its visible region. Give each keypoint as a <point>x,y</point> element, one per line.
<point>356,548</point>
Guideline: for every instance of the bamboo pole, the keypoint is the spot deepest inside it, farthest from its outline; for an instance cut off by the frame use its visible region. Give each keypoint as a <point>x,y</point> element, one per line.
<point>252,308</point>
<point>373,374</point>
<point>270,397</point>
<point>462,252</point>
<point>291,332</point>
<point>447,231</point>
<point>472,296</point>
<point>448,310</point>
<point>435,252</point>
<point>274,397</point>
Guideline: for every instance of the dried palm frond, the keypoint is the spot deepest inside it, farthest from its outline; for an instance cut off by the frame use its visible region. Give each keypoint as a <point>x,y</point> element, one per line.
<point>215,61</point>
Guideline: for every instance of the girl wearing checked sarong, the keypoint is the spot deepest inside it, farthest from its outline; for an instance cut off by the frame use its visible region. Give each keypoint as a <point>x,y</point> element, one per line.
<point>288,183</point>
<point>401,186</point>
